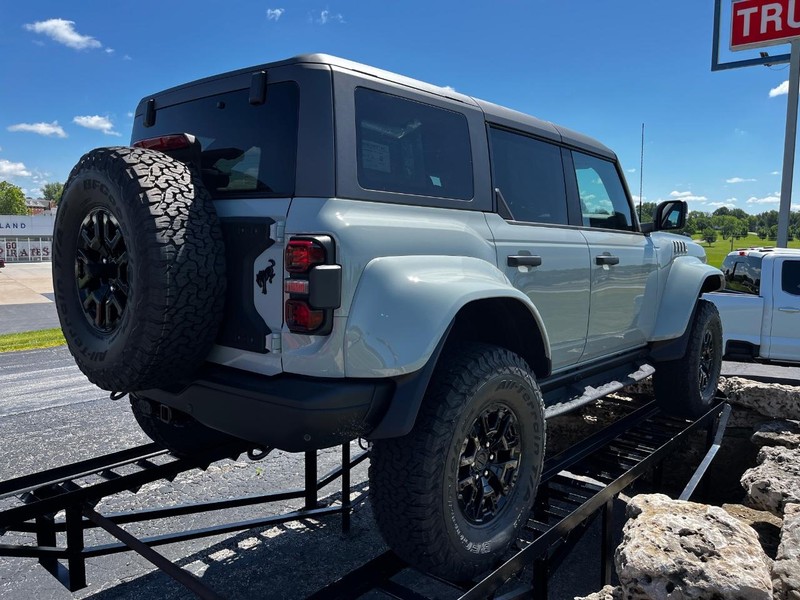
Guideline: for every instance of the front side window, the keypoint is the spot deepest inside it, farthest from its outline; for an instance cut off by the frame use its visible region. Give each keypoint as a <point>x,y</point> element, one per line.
<point>409,147</point>
<point>790,277</point>
<point>604,203</point>
<point>246,149</point>
<point>530,176</point>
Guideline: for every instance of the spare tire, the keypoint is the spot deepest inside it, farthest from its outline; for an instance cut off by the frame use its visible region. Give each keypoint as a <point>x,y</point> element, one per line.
<point>138,268</point>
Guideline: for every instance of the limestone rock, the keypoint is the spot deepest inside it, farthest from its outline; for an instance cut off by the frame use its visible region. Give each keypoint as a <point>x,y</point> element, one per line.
<point>770,399</point>
<point>675,550</point>
<point>766,525</point>
<point>775,481</point>
<point>607,593</point>
<point>778,433</point>
<point>786,568</point>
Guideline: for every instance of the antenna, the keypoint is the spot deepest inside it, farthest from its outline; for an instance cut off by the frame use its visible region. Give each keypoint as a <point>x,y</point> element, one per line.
<point>641,175</point>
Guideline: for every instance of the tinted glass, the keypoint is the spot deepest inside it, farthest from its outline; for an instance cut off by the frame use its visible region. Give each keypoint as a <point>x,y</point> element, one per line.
<point>790,277</point>
<point>246,149</point>
<point>530,177</point>
<point>742,274</point>
<point>411,148</point>
<point>603,200</point>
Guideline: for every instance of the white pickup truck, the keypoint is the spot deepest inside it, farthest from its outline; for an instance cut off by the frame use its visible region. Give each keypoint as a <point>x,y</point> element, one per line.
<point>760,306</point>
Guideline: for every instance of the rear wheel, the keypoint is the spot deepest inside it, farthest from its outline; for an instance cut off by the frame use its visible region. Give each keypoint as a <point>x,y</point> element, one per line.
<point>450,496</point>
<point>686,387</point>
<point>178,432</point>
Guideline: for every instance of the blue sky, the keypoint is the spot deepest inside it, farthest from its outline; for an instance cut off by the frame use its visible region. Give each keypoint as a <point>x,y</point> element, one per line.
<point>74,71</point>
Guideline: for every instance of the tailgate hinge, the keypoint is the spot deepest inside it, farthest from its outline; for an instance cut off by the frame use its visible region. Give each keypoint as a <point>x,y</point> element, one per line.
<point>277,231</point>
<point>274,343</point>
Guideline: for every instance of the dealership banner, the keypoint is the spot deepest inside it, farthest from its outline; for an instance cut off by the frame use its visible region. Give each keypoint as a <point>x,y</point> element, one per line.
<point>26,226</point>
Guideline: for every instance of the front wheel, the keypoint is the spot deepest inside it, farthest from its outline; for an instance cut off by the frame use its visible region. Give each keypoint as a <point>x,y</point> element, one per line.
<point>686,387</point>
<point>450,496</point>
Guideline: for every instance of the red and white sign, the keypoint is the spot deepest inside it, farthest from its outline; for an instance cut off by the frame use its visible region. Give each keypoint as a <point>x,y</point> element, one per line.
<point>756,23</point>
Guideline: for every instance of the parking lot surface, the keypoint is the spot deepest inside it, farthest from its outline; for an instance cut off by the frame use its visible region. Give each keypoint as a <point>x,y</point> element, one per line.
<point>26,298</point>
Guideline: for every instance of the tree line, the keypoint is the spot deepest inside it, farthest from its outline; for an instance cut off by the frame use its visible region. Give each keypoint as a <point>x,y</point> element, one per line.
<point>730,223</point>
<point>12,198</point>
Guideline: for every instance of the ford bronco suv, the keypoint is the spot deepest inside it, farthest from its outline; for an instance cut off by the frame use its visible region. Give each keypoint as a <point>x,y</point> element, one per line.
<point>313,250</point>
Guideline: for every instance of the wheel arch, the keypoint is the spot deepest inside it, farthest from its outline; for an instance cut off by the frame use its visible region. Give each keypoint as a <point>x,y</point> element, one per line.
<point>499,321</point>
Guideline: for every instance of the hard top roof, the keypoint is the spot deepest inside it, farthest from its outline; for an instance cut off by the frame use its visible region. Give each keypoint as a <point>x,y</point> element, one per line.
<point>761,251</point>
<point>494,113</point>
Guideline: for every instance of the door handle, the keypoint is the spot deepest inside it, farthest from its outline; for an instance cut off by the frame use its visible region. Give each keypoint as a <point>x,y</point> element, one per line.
<point>524,261</point>
<point>789,309</point>
<point>606,259</point>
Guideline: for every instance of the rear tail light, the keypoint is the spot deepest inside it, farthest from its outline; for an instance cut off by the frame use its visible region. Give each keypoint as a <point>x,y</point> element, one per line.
<point>165,143</point>
<point>301,255</point>
<point>314,285</point>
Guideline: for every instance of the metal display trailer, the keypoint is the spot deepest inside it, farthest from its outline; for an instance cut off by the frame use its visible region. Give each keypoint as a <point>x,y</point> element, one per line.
<point>577,485</point>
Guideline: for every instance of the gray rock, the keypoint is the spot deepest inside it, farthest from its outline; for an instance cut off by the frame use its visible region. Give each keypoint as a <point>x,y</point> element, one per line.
<point>770,399</point>
<point>675,550</point>
<point>766,525</point>
<point>778,433</point>
<point>775,481</point>
<point>607,593</point>
<point>786,568</point>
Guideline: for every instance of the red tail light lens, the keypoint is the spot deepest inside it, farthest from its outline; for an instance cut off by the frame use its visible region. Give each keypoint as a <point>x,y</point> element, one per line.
<point>165,142</point>
<point>301,255</point>
<point>301,317</point>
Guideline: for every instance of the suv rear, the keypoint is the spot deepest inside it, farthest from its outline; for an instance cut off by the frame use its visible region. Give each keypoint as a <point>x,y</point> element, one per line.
<point>314,250</point>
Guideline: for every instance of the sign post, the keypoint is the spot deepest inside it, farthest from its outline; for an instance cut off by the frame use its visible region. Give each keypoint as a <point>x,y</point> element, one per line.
<point>758,23</point>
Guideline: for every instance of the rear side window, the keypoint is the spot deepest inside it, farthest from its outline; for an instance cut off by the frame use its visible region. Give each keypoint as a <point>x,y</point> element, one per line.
<point>247,149</point>
<point>604,203</point>
<point>742,273</point>
<point>790,277</point>
<point>530,177</point>
<point>409,147</point>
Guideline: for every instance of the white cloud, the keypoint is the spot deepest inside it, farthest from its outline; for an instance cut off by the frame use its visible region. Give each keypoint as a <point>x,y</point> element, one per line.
<point>48,129</point>
<point>774,199</point>
<point>733,200</point>
<point>63,32</point>
<point>109,51</point>
<point>129,114</point>
<point>720,204</point>
<point>327,16</point>
<point>127,57</point>
<point>630,170</point>
<point>273,14</point>
<point>449,88</point>
<point>12,169</point>
<point>738,180</point>
<point>687,196</point>
<point>781,90</point>
<point>97,123</point>
<point>775,173</point>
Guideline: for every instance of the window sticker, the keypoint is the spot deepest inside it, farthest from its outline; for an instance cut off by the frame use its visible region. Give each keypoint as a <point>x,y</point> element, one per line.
<point>436,181</point>
<point>375,156</point>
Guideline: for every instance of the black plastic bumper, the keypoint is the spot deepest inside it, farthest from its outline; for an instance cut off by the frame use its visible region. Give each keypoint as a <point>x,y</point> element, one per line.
<point>288,412</point>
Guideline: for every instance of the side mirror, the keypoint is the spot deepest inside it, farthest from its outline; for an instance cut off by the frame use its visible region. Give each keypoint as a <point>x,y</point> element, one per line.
<point>669,215</point>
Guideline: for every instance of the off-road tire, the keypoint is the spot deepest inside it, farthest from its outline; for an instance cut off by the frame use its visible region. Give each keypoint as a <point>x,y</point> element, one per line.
<point>686,387</point>
<point>183,435</point>
<point>153,303</point>
<point>414,479</point>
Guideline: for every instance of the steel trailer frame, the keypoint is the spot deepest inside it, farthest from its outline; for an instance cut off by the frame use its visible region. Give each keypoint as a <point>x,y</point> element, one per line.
<point>577,486</point>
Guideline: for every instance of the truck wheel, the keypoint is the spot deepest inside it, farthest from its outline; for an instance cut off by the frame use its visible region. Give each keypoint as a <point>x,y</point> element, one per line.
<point>686,387</point>
<point>450,496</point>
<point>138,268</point>
<point>183,435</point>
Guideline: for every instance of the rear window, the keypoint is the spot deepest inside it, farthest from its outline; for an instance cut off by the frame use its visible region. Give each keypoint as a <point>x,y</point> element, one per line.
<point>247,149</point>
<point>411,148</point>
<point>742,273</point>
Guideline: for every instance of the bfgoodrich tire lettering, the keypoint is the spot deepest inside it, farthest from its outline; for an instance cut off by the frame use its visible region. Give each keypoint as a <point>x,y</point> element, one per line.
<point>482,418</point>
<point>138,268</point>
<point>686,387</point>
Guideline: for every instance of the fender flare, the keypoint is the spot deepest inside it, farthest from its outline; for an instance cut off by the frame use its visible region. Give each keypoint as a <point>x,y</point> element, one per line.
<point>688,278</point>
<point>404,305</point>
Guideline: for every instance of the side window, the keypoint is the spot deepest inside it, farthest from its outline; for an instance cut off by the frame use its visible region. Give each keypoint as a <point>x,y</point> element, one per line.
<point>603,200</point>
<point>790,277</point>
<point>411,148</point>
<point>530,176</point>
<point>742,274</point>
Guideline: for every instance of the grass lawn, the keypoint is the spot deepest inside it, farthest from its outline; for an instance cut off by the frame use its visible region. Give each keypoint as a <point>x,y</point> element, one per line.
<point>30,340</point>
<point>717,251</point>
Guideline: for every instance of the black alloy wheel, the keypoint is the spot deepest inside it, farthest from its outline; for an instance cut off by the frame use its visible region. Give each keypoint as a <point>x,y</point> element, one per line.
<point>488,464</point>
<point>708,359</point>
<point>101,270</point>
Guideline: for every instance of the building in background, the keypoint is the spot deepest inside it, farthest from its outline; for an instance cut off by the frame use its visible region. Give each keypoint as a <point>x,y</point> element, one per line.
<point>39,206</point>
<point>26,238</point>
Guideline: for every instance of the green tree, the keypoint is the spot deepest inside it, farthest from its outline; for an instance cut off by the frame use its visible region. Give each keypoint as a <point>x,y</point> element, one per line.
<point>762,232</point>
<point>52,192</point>
<point>12,200</point>
<point>648,209</point>
<point>709,235</point>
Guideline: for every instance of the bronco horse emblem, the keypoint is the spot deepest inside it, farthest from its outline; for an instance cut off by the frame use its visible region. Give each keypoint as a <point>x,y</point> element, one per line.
<point>266,276</point>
